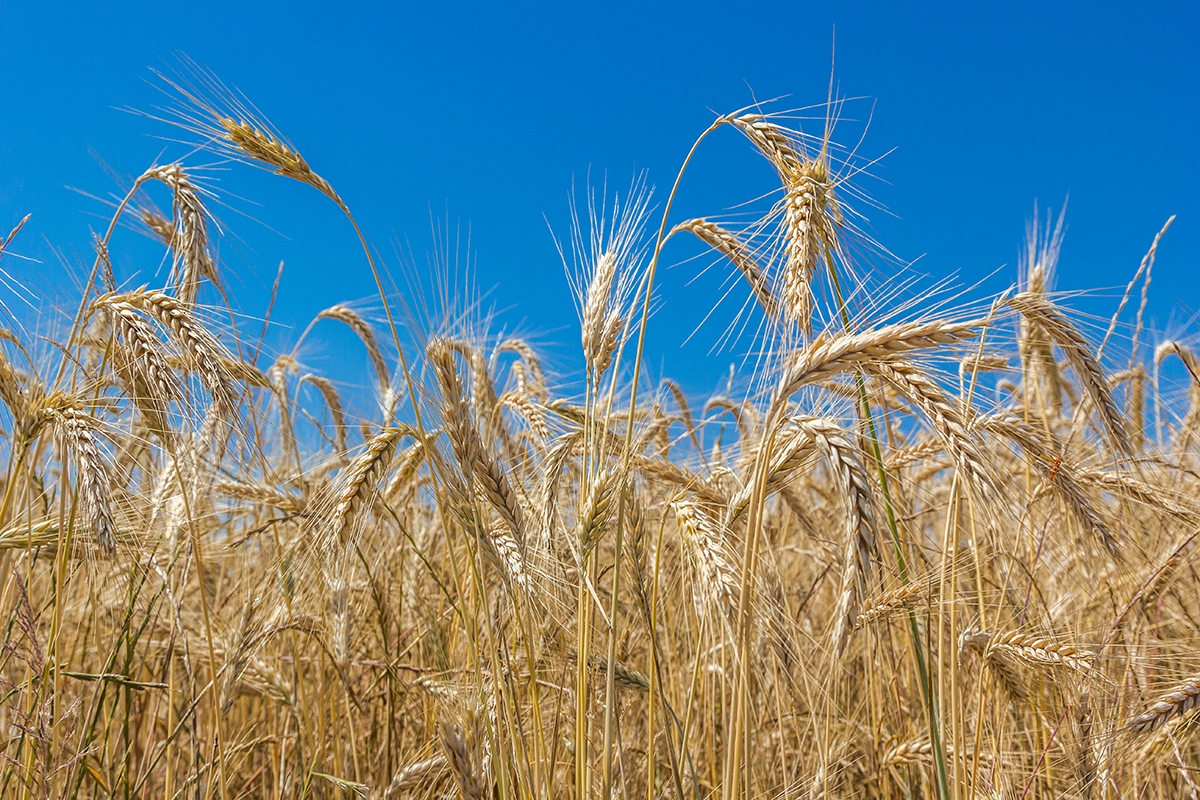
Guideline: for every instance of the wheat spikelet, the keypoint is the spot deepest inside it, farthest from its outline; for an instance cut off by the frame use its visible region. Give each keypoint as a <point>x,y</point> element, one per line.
<point>199,347</point>
<point>1177,702</point>
<point>729,245</point>
<point>1040,652</point>
<point>852,478</point>
<point>361,479</point>
<point>946,420</point>
<point>825,357</point>
<point>705,540</point>
<point>79,430</point>
<point>1091,376</point>
<point>188,232</point>
<point>367,335</point>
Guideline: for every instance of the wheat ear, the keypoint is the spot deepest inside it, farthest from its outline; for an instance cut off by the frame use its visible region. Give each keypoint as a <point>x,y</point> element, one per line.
<point>1180,700</point>
<point>1091,375</point>
<point>361,479</point>
<point>79,429</point>
<point>826,357</point>
<point>738,252</point>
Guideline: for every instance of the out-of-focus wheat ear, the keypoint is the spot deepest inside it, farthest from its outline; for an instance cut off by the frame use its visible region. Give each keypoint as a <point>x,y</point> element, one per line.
<point>360,480</point>
<point>10,388</point>
<point>946,419</point>
<point>826,357</point>
<point>1180,700</point>
<point>1191,420</point>
<point>704,541</point>
<point>685,411</point>
<point>461,758</point>
<point>1059,328</point>
<point>420,773</point>
<point>334,402</point>
<point>532,363</point>
<point>259,493</point>
<point>277,378</point>
<point>79,430</point>
<point>729,245</point>
<point>363,330</point>
<point>264,147</point>
<point>189,232</point>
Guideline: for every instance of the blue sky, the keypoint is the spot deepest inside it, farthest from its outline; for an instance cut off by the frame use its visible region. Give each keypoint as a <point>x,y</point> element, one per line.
<point>485,116</point>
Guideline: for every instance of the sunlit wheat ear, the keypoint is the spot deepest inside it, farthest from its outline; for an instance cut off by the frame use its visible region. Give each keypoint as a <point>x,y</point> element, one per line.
<point>199,347</point>
<point>188,232</point>
<point>79,430</point>
<point>595,512</point>
<point>464,441</point>
<point>891,602</point>
<point>738,252</point>
<point>492,481</point>
<point>263,146</point>
<point>1058,472</point>
<point>364,332</point>
<point>143,367</point>
<point>1180,700</point>
<point>1041,652</point>
<point>1090,374</point>
<point>946,419</point>
<point>811,214</point>
<point>855,485</point>
<point>826,357</point>
<point>997,662</point>
<point>361,479</point>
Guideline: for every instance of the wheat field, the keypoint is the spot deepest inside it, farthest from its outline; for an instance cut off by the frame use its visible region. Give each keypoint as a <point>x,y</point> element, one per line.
<point>937,545</point>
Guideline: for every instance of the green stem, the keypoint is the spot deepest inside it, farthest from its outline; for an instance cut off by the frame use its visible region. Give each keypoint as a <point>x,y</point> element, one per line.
<point>927,691</point>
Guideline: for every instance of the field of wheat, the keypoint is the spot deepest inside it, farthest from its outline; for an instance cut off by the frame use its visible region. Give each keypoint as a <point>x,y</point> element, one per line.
<point>923,546</point>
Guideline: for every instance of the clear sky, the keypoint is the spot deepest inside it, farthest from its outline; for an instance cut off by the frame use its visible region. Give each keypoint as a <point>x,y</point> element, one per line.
<point>486,115</point>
